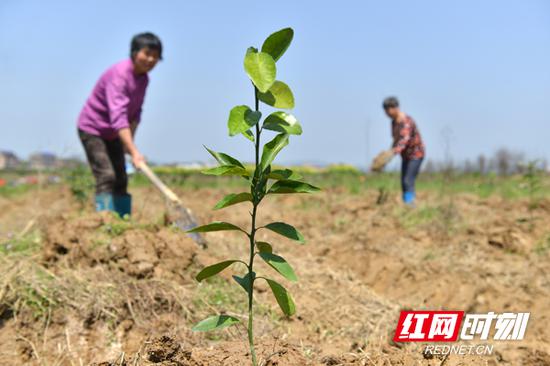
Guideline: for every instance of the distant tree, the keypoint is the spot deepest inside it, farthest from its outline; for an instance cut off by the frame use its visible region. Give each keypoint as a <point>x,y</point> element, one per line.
<point>482,164</point>
<point>468,167</point>
<point>508,162</point>
<point>518,163</point>
<point>430,167</point>
<point>502,161</point>
<point>544,165</point>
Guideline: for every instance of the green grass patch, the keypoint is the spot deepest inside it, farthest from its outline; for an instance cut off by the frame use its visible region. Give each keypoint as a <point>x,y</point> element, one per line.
<point>543,245</point>
<point>412,218</point>
<point>13,191</point>
<point>39,296</point>
<point>347,177</point>
<point>26,244</point>
<point>118,226</point>
<point>357,182</point>
<point>227,296</point>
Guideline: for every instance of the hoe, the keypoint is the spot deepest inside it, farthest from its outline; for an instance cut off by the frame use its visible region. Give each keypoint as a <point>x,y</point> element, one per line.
<point>180,215</point>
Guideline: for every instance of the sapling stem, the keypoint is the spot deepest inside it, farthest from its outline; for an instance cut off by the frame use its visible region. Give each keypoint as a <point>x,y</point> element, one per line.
<point>255,201</point>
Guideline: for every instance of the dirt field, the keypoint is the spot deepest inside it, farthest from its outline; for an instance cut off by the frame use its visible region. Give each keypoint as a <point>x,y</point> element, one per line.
<point>78,288</point>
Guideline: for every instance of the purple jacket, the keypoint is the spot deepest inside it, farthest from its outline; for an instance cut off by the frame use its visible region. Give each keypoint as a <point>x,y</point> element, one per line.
<point>115,101</point>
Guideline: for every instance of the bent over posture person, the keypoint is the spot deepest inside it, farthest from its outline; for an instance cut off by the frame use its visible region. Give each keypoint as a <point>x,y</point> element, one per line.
<point>407,142</point>
<point>109,119</point>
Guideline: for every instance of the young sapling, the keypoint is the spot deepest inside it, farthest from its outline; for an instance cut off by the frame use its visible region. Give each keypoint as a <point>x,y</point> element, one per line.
<point>260,66</point>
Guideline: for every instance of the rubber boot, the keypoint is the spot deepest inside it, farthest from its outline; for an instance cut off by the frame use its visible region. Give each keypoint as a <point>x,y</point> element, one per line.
<point>104,202</point>
<point>408,198</point>
<point>123,205</point>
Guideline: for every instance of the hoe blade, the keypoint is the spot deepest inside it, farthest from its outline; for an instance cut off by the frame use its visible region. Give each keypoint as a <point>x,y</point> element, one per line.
<point>184,219</point>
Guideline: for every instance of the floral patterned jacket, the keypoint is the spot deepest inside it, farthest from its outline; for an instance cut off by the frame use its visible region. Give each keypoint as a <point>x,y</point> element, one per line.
<point>407,140</point>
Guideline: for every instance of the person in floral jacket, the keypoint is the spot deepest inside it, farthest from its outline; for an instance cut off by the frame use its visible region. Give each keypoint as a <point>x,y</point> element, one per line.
<point>408,143</point>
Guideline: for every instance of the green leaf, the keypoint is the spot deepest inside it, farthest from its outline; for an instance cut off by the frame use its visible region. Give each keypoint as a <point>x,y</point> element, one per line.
<point>278,96</point>
<point>245,281</point>
<point>279,264</point>
<point>283,297</point>
<point>264,247</point>
<point>277,43</point>
<point>272,148</point>
<point>292,186</point>
<point>226,170</point>
<point>215,226</point>
<point>241,119</point>
<point>214,269</point>
<point>232,199</point>
<point>283,122</point>
<point>249,135</point>
<point>261,69</point>
<point>224,159</point>
<point>215,322</point>
<point>282,174</point>
<point>286,230</point>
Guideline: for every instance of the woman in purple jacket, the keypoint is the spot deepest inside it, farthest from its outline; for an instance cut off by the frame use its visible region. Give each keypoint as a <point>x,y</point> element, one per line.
<point>109,119</point>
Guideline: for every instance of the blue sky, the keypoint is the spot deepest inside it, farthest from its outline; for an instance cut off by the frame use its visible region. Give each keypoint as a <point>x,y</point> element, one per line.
<point>480,69</point>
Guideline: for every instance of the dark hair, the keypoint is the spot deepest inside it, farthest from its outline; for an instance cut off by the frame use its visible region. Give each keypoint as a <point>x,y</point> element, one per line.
<point>390,102</point>
<point>145,40</point>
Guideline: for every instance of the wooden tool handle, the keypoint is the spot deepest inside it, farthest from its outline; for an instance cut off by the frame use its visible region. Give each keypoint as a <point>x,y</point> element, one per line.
<point>167,192</point>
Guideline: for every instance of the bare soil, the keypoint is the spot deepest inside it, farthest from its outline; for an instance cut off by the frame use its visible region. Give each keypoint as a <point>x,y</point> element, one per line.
<point>98,290</point>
